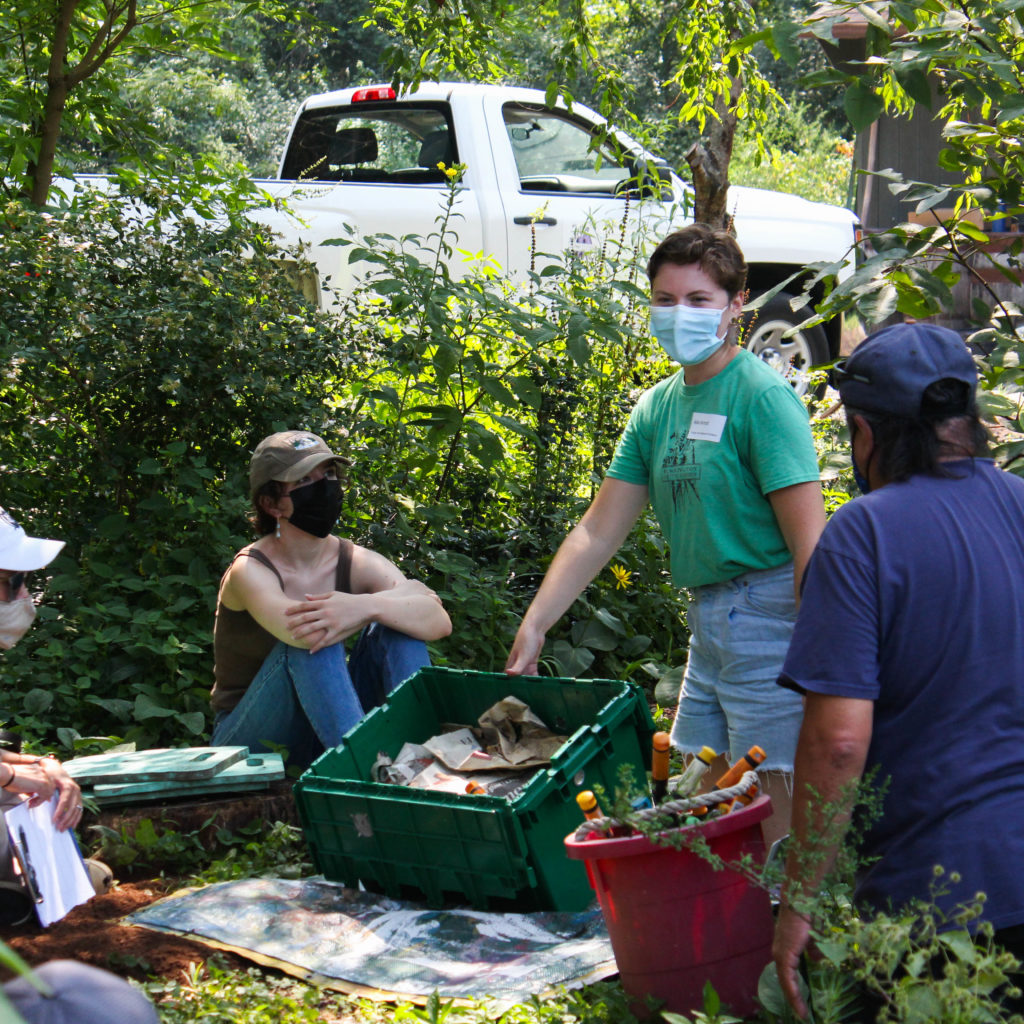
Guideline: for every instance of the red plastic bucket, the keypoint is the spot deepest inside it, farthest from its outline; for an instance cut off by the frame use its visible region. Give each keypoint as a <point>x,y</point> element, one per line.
<point>675,922</point>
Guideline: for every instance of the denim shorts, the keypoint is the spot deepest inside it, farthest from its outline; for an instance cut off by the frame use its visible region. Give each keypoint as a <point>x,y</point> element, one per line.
<point>739,634</point>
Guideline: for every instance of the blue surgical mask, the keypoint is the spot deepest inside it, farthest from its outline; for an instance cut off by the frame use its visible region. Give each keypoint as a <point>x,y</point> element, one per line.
<point>688,334</point>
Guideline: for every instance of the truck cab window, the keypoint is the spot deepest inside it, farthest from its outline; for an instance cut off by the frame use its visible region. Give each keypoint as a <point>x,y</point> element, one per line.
<point>553,153</point>
<point>371,145</point>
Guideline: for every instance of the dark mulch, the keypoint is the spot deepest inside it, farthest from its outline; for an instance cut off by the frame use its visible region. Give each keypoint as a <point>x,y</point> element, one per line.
<point>93,934</point>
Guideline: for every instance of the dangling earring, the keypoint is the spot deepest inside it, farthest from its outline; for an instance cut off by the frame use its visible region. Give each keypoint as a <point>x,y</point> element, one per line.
<point>277,527</point>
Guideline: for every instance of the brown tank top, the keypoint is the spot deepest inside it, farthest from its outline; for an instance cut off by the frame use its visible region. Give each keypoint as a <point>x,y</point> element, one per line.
<point>241,644</point>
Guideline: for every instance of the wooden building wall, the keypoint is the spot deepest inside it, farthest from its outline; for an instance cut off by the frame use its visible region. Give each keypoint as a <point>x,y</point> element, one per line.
<point>911,145</point>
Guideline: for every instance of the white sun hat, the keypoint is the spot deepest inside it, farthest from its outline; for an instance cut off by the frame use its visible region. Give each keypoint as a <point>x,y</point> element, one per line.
<point>21,553</point>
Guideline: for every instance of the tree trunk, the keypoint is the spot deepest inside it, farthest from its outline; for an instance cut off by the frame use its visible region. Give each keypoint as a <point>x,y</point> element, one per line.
<point>61,78</point>
<point>710,168</point>
<point>41,172</point>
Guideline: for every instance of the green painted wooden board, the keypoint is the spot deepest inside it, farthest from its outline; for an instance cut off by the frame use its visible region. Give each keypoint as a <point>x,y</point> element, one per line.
<point>183,764</point>
<point>254,772</point>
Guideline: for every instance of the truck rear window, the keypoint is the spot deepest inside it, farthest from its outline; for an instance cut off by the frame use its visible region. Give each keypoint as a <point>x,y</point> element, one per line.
<point>385,144</point>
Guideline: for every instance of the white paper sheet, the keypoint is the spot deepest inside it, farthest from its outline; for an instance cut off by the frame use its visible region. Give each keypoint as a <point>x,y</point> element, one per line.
<point>53,857</point>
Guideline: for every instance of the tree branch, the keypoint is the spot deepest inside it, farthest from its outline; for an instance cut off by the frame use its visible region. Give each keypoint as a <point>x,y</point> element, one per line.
<point>104,43</point>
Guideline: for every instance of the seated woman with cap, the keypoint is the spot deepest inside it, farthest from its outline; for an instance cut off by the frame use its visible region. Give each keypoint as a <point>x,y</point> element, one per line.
<point>288,602</point>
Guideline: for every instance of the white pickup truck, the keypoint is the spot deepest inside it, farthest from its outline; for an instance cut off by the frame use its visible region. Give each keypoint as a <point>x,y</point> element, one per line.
<point>534,178</point>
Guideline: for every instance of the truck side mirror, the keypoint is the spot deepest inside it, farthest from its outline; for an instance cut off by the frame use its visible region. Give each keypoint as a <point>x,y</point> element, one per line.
<point>648,179</point>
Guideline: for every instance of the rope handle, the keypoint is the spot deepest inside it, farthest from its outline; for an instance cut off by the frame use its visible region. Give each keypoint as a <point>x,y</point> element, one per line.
<point>678,807</point>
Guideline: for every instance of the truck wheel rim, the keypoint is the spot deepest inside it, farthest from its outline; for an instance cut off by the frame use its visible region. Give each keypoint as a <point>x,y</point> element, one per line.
<point>791,357</point>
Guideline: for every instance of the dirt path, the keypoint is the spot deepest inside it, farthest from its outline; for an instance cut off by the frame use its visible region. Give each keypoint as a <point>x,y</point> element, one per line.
<point>93,934</point>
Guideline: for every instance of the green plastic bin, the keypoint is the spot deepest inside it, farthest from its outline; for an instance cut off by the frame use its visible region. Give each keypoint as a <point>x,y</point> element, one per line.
<point>489,851</point>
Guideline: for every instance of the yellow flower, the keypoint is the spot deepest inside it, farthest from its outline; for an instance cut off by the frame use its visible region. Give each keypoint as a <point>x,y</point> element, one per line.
<point>623,577</point>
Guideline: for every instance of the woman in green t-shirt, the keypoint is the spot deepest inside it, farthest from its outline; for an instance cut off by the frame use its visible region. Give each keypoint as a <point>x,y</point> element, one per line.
<point>723,451</point>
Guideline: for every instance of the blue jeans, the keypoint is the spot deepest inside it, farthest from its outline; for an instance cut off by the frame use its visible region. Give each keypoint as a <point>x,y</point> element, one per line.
<point>739,634</point>
<point>307,702</point>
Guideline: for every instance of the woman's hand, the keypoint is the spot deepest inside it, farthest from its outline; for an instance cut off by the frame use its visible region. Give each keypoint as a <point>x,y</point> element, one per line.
<point>68,812</point>
<point>334,616</point>
<point>39,780</point>
<point>525,653</point>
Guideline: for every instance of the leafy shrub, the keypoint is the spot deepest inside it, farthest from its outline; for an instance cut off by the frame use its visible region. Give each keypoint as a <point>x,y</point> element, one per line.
<point>209,854</point>
<point>146,353</point>
<point>805,157</point>
<point>212,993</point>
<point>485,416</point>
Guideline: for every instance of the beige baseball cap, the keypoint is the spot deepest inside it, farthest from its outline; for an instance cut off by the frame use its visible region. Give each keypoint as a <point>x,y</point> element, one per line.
<point>288,456</point>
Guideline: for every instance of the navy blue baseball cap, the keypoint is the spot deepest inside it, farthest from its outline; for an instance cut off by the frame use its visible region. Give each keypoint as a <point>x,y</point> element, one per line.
<point>890,370</point>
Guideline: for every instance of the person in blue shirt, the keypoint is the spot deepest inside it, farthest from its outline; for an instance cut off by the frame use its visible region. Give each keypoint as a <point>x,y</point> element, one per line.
<point>909,650</point>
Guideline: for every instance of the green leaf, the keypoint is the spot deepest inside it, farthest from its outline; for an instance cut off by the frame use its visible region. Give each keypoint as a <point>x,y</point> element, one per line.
<point>826,77</point>
<point>632,647</point>
<point>961,945</point>
<point>37,701</point>
<point>786,36</point>
<point>570,661</point>
<point>769,992</point>
<point>517,427</point>
<point>526,391</point>
<point>874,18</point>
<point>935,198</point>
<point>498,391</point>
<point>595,635</point>
<point>835,952</point>
<point>113,526</point>
<point>916,84</point>
<point>146,707</point>
<point>194,722</point>
<point>579,348</point>
<point>862,105</point>
<point>610,621</point>
<point>67,737</point>
<point>116,706</point>
<point>923,1002</point>
<point>1011,108</point>
<point>712,1002</point>
<point>964,227</point>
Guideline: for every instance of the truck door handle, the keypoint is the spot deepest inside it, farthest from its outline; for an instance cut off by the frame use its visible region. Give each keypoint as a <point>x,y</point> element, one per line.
<point>534,220</point>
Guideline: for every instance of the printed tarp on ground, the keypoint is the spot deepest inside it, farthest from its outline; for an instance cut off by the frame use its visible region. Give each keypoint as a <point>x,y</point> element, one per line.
<point>366,944</point>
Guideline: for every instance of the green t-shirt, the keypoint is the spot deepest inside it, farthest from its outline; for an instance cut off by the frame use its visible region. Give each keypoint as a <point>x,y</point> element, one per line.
<point>709,454</point>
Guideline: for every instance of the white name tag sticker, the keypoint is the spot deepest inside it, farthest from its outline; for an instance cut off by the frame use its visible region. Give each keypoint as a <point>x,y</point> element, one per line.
<point>706,426</point>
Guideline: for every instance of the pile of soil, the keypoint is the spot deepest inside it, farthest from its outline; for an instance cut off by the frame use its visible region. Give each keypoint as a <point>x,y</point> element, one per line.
<point>93,934</point>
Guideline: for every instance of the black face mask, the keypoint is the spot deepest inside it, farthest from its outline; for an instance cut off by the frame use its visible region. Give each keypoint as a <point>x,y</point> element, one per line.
<point>316,506</point>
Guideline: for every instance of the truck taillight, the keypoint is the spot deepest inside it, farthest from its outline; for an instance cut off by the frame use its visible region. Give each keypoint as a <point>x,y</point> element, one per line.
<point>375,92</point>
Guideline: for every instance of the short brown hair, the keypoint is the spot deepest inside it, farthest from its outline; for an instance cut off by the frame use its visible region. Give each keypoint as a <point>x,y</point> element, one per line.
<point>715,251</point>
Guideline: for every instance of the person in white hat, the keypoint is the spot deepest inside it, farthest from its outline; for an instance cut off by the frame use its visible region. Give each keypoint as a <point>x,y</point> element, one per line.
<point>65,992</point>
<point>36,777</point>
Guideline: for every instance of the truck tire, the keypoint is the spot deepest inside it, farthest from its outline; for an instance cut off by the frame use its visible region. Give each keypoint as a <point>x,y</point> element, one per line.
<point>793,357</point>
